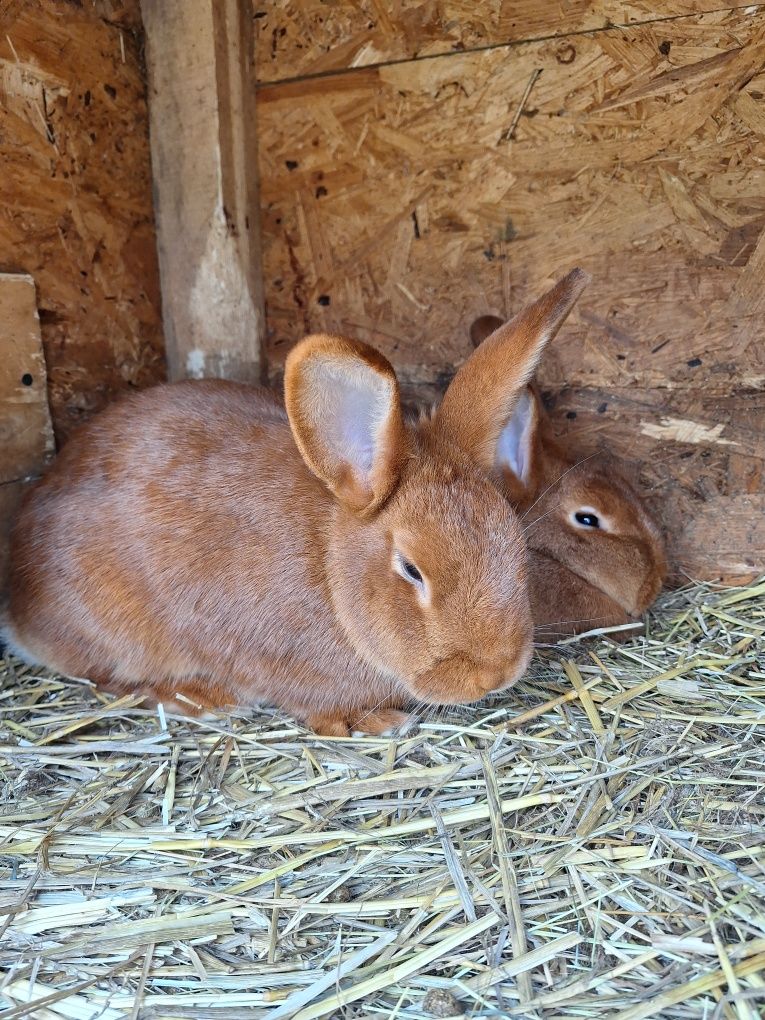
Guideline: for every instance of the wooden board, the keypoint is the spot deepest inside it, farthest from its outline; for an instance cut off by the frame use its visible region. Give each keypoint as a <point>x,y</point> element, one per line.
<point>400,202</point>
<point>308,37</point>
<point>26,435</point>
<point>75,195</point>
<point>202,108</point>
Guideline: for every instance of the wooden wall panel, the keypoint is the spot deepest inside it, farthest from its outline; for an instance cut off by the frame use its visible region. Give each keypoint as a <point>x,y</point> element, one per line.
<point>75,194</point>
<point>306,37</point>
<point>26,436</point>
<point>400,202</point>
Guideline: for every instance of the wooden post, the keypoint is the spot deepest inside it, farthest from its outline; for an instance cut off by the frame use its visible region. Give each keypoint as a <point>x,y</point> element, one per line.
<point>26,434</point>
<point>204,162</point>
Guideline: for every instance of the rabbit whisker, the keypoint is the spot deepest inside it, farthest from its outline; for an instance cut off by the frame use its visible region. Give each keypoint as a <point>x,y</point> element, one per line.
<point>552,485</point>
<point>372,710</point>
<point>541,518</point>
<point>561,623</point>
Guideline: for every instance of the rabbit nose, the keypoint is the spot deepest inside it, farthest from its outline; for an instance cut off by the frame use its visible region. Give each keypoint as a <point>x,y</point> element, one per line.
<point>517,666</point>
<point>505,675</point>
<point>489,681</point>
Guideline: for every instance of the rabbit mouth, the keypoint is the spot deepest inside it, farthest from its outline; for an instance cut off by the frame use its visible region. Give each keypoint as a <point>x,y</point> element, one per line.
<point>649,590</point>
<point>633,607</point>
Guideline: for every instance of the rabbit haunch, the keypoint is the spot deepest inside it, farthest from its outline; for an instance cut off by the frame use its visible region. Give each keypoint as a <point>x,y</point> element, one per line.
<point>198,544</point>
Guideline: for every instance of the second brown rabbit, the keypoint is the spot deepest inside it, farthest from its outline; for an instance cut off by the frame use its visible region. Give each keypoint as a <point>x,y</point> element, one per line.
<point>596,556</point>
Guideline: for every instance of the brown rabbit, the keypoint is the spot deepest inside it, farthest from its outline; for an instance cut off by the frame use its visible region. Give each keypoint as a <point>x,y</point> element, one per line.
<point>196,544</point>
<point>596,557</point>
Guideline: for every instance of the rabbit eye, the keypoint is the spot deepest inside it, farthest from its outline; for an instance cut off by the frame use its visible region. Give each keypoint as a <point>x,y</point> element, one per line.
<point>411,571</point>
<point>587,520</point>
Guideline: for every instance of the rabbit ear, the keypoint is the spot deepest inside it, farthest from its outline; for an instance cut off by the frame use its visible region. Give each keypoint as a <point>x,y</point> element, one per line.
<point>344,409</point>
<point>518,443</point>
<point>481,397</point>
<point>483,327</point>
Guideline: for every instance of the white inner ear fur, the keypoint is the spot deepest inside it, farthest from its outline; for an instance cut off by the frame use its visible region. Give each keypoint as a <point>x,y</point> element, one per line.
<point>514,443</point>
<point>351,403</point>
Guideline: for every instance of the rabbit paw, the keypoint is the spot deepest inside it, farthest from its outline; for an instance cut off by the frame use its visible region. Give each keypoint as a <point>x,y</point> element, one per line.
<point>328,725</point>
<point>197,697</point>
<point>382,721</point>
<point>377,722</point>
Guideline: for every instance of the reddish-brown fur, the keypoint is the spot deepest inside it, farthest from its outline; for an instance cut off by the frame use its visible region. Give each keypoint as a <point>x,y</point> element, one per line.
<point>579,579</point>
<point>195,544</point>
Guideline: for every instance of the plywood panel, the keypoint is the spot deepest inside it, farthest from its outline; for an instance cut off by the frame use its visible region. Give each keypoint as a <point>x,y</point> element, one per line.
<point>399,205</point>
<point>307,37</point>
<point>26,436</point>
<point>75,195</point>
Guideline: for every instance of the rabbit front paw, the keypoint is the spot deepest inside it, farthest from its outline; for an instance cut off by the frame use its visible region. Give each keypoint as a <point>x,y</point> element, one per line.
<point>376,722</point>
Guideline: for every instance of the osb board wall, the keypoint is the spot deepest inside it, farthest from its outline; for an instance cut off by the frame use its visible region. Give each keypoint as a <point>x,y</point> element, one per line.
<point>75,194</point>
<point>303,37</point>
<point>400,201</point>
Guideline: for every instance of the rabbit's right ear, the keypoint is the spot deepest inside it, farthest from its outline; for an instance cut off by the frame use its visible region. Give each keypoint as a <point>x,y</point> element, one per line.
<point>343,404</point>
<point>519,448</point>
<point>481,398</point>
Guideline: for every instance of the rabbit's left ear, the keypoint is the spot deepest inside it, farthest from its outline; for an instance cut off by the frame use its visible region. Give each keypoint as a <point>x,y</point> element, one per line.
<point>481,398</point>
<point>518,443</point>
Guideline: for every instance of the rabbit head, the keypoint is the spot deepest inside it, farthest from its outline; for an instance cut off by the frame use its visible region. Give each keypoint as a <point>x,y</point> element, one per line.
<point>593,522</point>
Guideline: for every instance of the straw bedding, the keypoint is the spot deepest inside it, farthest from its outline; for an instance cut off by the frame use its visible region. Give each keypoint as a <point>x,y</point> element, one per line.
<point>591,844</point>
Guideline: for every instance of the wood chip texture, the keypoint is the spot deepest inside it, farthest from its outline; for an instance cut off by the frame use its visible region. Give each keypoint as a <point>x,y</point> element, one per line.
<point>75,195</point>
<point>465,155</point>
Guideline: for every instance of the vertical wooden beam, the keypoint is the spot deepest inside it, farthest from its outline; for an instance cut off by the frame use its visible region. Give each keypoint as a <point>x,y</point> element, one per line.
<point>204,163</point>
<point>26,435</point>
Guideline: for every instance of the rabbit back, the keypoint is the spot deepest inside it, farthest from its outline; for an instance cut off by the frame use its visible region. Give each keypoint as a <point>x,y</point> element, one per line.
<point>148,556</point>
